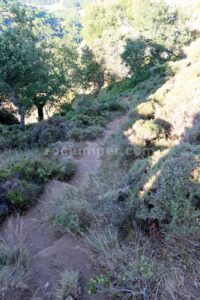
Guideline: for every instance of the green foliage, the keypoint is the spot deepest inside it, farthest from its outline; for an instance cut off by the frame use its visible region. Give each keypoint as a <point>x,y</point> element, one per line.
<point>145,110</point>
<point>97,18</point>
<point>123,266</point>
<point>22,194</point>
<point>90,133</point>
<point>12,137</point>
<point>92,71</point>
<point>96,282</point>
<point>36,66</point>
<point>23,177</point>
<point>75,134</point>
<point>164,24</point>
<point>19,55</point>
<point>93,132</point>
<point>145,133</point>
<point>141,54</point>
<point>169,191</point>
<point>37,135</point>
<point>72,214</point>
<point>48,132</point>
<point>68,285</point>
<point>141,32</point>
<point>43,169</point>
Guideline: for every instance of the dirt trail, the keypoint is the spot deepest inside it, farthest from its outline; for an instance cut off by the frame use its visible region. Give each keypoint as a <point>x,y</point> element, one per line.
<point>52,253</point>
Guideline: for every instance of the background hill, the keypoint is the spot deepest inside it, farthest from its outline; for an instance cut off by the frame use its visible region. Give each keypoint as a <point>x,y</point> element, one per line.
<point>59,6</point>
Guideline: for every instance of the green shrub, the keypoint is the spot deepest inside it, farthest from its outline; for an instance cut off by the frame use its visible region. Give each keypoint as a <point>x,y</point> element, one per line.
<point>87,105</point>
<point>83,120</point>
<point>65,109</point>
<point>98,106</point>
<point>43,169</point>
<point>145,110</point>
<point>22,194</point>
<point>113,105</point>
<point>23,176</point>
<point>83,134</point>
<point>12,137</point>
<point>168,191</point>
<point>69,213</point>
<point>145,136</point>
<point>73,218</point>
<point>75,134</point>
<point>68,286</point>
<point>127,269</point>
<point>65,170</point>
<point>36,135</point>
<point>48,132</point>
<point>146,131</point>
<point>92,132</point>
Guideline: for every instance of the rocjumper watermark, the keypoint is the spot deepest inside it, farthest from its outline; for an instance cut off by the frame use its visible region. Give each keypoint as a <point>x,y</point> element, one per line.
<point>97,152</point>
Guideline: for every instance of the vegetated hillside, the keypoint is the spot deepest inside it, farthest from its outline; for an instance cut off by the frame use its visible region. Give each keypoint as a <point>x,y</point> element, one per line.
<point>142,207</point>
<point>140,212</point>
<point>177,103</point>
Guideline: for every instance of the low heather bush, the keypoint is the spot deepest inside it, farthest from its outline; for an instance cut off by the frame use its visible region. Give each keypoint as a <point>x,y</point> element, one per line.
<point>23,175</point>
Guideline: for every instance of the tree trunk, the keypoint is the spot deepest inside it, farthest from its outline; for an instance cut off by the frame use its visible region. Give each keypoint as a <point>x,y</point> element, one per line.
<point>21,110</point>
<point>99,84</point>
<point>40,113</point>
<point>22,118</point>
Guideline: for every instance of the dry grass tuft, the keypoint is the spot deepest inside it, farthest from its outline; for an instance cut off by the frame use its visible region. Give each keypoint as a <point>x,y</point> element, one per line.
<point>68,286</point>
<point>13,260</point>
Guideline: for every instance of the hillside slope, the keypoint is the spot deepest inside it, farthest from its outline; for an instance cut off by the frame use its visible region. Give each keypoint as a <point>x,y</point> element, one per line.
<point>177,101</point>
<point>110,209</point>
<point>143,205</point>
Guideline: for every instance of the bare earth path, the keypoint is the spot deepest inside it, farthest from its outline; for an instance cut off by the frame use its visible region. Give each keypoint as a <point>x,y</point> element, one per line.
<point>51,253</point>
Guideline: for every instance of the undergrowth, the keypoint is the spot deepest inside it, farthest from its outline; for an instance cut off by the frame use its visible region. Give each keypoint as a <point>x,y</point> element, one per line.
<point>140,212</point>
<point>23,176</point>
<point>68,286</point>
<point>14,260</point>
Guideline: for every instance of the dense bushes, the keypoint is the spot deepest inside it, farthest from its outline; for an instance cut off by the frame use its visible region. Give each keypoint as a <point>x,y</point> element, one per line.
<point>125,214</point>
<point>146,131</point>
<point>70,216</point>
<point>162,190</point>
<point>145,110</point>
<point>167,191</point>
<point>48,132</point>
<point>83,122</point>
<point>141,211</point>
<point>22,178</point>
<point>90,133</point>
